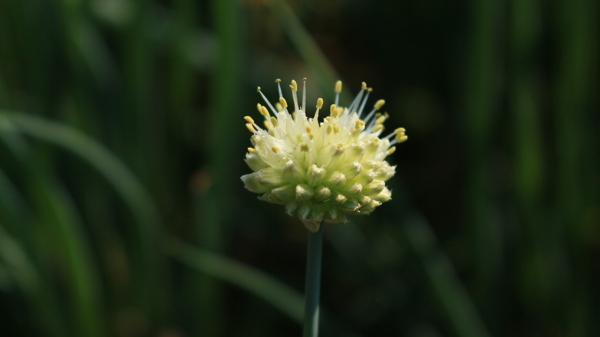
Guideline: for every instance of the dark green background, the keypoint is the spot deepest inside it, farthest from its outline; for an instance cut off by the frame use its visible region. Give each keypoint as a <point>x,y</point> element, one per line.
<point>122,143</point>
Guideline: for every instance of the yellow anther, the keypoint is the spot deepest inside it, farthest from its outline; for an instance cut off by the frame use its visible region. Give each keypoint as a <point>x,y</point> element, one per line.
<point>264,111</point>
<point>359,124</point>
<point>399,131</point>
<point>304,147</point>
<point>370,89</point>
<point>329,129</point>
<point>336,128</point>
<point>274,121</point>
<point>339,112</point>
<point>250,127</point>
<point>277,80</point>
<point>308,129</point>
<point>338,87</point>
<point>258,107</point>
<point>249,119</point>
<point>268,124</point>
<point>311,136</point>
<point>275,148</point>
<point>379,104</point>
<point>278,106</point>
<point>364,85</point>
<point>294,86</point>
<point>252,150</point>
<point>391,150</point>
<point>401,138</point>
<point>283,102</point>
<point>380,120</point>
<point>304,79</point>
<point>378,128</point>
<point>332,110</point>
<point>257,89</point>
<point>319,103</point>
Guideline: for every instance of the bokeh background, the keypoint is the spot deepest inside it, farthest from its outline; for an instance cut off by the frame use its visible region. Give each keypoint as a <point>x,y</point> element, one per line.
<point>122,143</point>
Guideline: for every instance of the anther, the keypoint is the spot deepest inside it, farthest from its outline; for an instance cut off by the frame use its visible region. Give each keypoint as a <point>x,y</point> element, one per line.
<point>274,121</point>
<point>379,104</point>
<point>329,128</point>
<point>249,119</point>
<point>294,86</point>
<point>338,87</point>
<point>336,128</point>
<point>252,150</point>
<point>399,131</point>
<point>308,129</point>
<point>275,149</point>
<point>378,128</point>
<point>277,80</point>
<point>364,85</point>
<point>250,127</point>
<point>283,102</point>
<point>332,110</point>
<point>319,103</point>
<point>304,147</point>
<point>264,111</point>
<point>391,150</point>
<point>380,120</point>
<point>268,124</point>
<point>401,139</point>
<point>257,89</point>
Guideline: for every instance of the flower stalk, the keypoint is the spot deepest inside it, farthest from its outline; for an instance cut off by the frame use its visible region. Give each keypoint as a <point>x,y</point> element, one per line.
<point>313,283</point>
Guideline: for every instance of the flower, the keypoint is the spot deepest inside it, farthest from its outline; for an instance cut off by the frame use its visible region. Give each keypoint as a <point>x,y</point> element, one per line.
<point>321,170</point>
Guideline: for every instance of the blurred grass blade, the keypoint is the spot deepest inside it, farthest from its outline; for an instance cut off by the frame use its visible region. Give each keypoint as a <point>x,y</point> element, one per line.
<point>63,232</point>
<point>251,279</point>
<point>150,264</point>
<point>22,272</point>
<point>308,48</point>
<point>447,288</point>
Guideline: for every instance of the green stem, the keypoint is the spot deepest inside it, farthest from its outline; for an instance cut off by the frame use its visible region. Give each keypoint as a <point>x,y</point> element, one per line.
<point>313,283</point>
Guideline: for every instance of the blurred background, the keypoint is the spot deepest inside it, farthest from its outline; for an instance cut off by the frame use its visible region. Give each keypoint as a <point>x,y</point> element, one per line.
<point>122,143</point>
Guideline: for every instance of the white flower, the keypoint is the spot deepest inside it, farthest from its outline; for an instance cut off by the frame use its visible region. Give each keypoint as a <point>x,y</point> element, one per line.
<point>321,170</point>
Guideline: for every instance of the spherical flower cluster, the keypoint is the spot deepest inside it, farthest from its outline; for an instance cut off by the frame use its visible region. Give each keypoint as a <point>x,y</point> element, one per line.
<point>321,170</point>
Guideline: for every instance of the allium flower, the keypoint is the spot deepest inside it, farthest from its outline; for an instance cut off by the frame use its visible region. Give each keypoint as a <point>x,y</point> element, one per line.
<point>321,170</point>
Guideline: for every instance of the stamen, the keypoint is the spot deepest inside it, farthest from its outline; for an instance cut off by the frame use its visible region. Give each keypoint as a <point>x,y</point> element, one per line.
<point>264,111</point>
<point>319,106</point>
<point>391,150</point>
<point>283,102</point>
<point>304,95</point>
<point>304,147</point>
<point>332,109</point>
<point>252,150</point>
<point>362,106</point>
<point>358,98</point>
<point>250,128</point>
<point>294,87</point>
<point>338,90</point>
<point>266,100</point>
<point>278,81</point>
<point>274,121</point>
<point>275,148</point>
<point>249,119</point>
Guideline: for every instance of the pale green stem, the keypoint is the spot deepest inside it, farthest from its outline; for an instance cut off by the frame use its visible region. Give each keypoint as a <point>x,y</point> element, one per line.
<point>313,283</point>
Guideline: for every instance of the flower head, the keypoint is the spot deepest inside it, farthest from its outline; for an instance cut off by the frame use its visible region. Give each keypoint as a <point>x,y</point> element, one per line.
<point>321,170</point>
